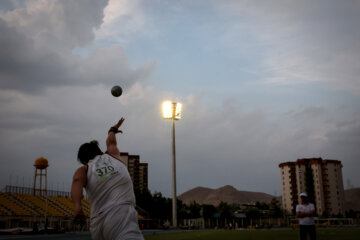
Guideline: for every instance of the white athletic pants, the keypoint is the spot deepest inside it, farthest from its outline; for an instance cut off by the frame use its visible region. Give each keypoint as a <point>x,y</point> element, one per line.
<point>117,223</point>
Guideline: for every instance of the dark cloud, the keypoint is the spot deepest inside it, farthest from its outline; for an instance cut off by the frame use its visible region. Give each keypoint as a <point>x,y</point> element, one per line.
<point>25,67</point>
<point>39,54</point>
<point>80,20</point>
<point>61,25</point>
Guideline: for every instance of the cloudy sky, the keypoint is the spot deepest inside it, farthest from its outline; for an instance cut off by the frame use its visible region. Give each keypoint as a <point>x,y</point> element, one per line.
<point>261,82</point>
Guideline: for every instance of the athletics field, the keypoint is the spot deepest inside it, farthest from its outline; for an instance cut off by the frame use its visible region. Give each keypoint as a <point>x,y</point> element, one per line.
<point>278,234</point>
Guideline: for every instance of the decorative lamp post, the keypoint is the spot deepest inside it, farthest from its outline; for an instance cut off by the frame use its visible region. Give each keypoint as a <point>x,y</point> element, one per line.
<point>172,110</point>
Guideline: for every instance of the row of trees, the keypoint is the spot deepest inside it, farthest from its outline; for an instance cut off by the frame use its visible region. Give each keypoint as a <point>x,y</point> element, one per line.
<point>160,207</point>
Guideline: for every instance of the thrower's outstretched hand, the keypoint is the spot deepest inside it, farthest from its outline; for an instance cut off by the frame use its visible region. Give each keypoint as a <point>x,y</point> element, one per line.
<point>118,124</point>
<point>115,128</point>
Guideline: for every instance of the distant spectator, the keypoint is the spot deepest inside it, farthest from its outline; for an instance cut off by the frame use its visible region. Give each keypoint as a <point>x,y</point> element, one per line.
<point>305,212</point>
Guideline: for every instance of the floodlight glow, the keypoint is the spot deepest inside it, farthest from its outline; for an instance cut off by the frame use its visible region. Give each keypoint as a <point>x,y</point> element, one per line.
<point>171,110</point>
<point>167,110</point>
<point>178,111</point>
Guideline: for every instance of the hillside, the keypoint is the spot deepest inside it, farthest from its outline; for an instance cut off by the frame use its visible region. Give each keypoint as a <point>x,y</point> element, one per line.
<point>231,195</point>
<point>352,199</point>
<point>227,194</point>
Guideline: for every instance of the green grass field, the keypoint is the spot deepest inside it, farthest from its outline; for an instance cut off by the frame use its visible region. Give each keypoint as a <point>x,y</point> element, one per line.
<point>281,234</point>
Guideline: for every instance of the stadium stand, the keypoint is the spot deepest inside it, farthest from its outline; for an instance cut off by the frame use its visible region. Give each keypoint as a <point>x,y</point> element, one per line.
<point>39,202</point>
<point>19,206</point>
<point>13,206</point>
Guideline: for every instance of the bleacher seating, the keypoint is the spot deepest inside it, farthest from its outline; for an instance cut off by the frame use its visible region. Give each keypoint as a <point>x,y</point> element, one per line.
<point>86,206</point>
<point>29,205</point>
<point>65,203</point>
<point>13,207</point>
<point>39,202</point>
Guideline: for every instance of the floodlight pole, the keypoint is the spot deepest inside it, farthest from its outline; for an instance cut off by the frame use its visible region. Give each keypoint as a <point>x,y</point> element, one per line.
<point>172,110</point>
<point>174,208</point>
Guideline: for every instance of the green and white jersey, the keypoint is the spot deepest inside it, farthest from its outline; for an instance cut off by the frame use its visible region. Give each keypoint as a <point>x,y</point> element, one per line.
<point>108,184</point>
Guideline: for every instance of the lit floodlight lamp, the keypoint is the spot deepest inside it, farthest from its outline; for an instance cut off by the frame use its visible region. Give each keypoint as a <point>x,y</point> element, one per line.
<point>171,110</point>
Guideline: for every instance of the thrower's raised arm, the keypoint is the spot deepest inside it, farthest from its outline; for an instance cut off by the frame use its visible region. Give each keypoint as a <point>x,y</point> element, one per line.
<point>111,143</point>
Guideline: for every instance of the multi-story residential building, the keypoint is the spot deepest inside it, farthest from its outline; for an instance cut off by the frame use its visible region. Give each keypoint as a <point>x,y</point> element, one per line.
<point>138,171</point>
<point>133,168</point>
<point>143,176</point>
<point>320,179</point>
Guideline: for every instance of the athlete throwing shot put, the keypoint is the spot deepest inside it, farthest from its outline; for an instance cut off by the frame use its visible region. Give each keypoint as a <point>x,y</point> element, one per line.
<point>109,187</point>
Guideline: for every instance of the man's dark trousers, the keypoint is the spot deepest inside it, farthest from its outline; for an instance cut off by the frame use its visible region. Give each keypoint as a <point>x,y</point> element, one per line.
<point>307,229</point>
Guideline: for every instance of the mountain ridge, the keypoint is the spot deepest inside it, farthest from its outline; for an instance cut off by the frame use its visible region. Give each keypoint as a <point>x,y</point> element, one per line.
<point>230,195</point>
<point>227,193</point>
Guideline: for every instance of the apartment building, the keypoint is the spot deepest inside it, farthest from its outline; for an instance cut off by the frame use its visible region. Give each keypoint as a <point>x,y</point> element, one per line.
<point>321,179</point>
<point>143,176</point>
<point>138,171</point>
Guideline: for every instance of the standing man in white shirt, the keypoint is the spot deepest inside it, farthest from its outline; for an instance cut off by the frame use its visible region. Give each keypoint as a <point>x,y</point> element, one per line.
<point>305,212</point>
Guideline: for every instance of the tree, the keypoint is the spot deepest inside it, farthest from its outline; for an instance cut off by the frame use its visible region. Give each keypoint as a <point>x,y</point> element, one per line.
<point>275,208</point>
<point>208,211</point>
<point>350,214</point>
<point>161,207</point>
<point>183,210</point>
<point>262,205</point>
<point>144,199</point>
<point>252,212</point>
<point>224,210</point>
<point>194,210</point>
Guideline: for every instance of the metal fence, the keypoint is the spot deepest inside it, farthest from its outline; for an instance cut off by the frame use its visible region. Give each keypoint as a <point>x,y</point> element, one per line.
<point>30,191</point>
